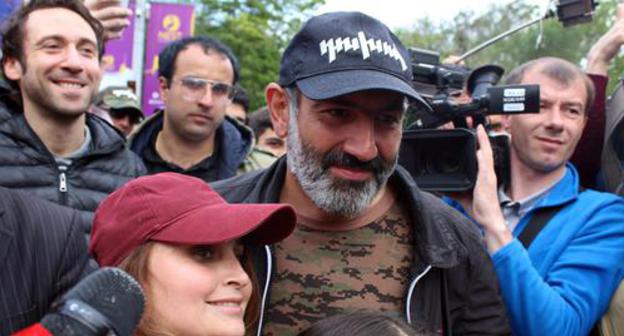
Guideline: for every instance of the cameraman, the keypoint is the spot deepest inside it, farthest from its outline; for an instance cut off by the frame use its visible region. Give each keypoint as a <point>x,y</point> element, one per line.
<point>561,282</point>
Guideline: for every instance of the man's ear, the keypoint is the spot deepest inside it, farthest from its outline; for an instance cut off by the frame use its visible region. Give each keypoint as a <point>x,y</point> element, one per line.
<point>163,88</point>
<point>277,103</point>
<point>12,69</point>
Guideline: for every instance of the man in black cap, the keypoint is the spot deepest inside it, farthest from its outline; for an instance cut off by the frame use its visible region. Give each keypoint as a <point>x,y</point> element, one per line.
<point>367,237</point>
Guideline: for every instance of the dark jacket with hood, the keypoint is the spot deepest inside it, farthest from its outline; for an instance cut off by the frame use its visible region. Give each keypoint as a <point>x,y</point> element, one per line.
<point>453,285</point>
<point>26,163</point>
<point>233,143</point>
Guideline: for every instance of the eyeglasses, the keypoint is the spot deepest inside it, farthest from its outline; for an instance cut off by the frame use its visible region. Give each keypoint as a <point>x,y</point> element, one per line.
<point>194,89</point>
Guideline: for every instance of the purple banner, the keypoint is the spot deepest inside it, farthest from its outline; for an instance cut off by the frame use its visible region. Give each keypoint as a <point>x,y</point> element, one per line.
<point>118,54</point>
<point>6,9</point>
<point>167,22</point>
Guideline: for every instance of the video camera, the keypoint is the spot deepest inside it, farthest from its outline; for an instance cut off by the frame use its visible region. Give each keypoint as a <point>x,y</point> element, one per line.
<point>445,159</point>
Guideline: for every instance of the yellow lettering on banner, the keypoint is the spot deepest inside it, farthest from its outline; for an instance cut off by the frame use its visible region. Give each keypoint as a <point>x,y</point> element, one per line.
<point>171,25</point>
<point>108,62</point>
<point>154,69</point>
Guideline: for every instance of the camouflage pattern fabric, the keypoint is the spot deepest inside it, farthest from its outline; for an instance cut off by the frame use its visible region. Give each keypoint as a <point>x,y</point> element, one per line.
<point>321,273</point>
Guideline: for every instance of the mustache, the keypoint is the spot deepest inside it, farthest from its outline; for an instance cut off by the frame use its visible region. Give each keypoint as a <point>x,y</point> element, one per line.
<point>337,157</point>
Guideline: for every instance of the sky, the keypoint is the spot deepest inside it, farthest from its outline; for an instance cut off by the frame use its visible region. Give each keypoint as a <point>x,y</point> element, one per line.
<point>403,13</point>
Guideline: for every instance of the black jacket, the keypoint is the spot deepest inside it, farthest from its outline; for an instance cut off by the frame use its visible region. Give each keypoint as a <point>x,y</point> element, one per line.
<point>26,164</point>
<point>612,157</point>
<point>43,253</point>
<point>233,143</point>
<point>453,284</point>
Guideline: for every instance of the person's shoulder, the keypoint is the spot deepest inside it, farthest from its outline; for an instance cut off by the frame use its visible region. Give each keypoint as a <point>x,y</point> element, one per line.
<point>595,198</point>
<point>461,225</point>
<point>598,205</point>
<point>257,159</point>
<point>236,133</point>
<point>103,134</point>
<point>109,140</point>
<point>238,188</point>
<point>123,162</point>
<point>445,234</point>
<point>141,135</point>
<point>437,211</point>
<point>10,101</point>
<point>237,182</point>
<point>262,154</point>
<point>134,163</point>
<point>39,215</point>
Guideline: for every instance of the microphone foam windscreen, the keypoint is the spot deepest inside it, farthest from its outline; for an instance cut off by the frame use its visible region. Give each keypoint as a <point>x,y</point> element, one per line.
<point>113,293</point>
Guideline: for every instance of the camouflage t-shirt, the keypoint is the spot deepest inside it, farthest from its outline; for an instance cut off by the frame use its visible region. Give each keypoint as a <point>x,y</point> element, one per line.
<point>323,273</point>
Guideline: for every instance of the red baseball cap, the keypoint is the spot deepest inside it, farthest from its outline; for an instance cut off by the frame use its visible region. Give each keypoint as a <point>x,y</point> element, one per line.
<point>179,209</point>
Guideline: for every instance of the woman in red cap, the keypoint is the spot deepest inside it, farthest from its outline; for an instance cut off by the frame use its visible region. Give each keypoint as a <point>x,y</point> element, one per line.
<point>187,248</point>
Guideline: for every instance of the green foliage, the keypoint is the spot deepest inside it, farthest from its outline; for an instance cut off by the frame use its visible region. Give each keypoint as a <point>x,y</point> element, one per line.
<point>257,31</point>
<point>549,38</point>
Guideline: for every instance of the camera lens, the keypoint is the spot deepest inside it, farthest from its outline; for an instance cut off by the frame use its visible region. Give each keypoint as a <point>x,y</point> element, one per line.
<point>446,163</point>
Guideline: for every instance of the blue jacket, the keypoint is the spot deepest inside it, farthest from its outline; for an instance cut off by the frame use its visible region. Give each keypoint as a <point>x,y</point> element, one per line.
<point>564,282</point>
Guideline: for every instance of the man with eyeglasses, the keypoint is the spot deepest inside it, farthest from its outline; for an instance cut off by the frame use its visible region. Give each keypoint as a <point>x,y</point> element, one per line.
<point>192,134</point>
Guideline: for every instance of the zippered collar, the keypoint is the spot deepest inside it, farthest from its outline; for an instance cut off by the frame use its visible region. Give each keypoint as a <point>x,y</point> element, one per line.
<point>410,293</point>
<point>235,141</point>
<point>105,138</point>
<point>265,290</point>
<point>564,191</point>
<point>435,244</point>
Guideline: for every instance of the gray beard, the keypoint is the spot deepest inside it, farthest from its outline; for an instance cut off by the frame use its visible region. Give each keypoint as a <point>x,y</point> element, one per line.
<point>337,197</point>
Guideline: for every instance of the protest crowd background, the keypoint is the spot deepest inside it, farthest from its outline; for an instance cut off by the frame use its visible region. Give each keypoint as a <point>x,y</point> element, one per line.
<point>258,168</point>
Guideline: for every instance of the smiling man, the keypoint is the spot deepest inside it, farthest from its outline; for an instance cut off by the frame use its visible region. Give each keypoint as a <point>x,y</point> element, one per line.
<point>366,237</point>
<point>557,249</point>
<point>49,145</point>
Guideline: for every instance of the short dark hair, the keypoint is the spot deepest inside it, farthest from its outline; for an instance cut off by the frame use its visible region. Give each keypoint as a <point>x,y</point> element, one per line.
<point>558,69</point>
<point>359,323</point>
<point>168,56</point>
<point>13,33</point>
<point>241,98</point>
<point>259,121</point>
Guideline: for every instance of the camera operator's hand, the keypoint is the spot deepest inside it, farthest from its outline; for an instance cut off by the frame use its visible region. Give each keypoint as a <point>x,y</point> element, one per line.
<point>114,17</point>
<point>602,52</point>
<point>485,205</point>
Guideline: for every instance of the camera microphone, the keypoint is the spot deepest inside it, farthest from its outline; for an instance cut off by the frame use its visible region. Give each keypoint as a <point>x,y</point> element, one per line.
<point>107,302</point>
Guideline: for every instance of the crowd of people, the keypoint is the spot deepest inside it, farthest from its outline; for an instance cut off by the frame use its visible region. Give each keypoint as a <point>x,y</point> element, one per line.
<point>296,219</point>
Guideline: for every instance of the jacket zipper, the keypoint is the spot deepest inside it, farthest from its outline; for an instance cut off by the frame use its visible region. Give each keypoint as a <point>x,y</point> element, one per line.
<point>63,184</point>
<point>410,292</point>
<point>266,288</point>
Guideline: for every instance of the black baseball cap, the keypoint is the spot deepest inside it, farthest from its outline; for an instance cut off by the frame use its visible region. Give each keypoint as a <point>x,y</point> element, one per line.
<point>344,52</point>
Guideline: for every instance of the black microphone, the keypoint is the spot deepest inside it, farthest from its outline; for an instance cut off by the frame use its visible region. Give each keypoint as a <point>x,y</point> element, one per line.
<point>107,302</point>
